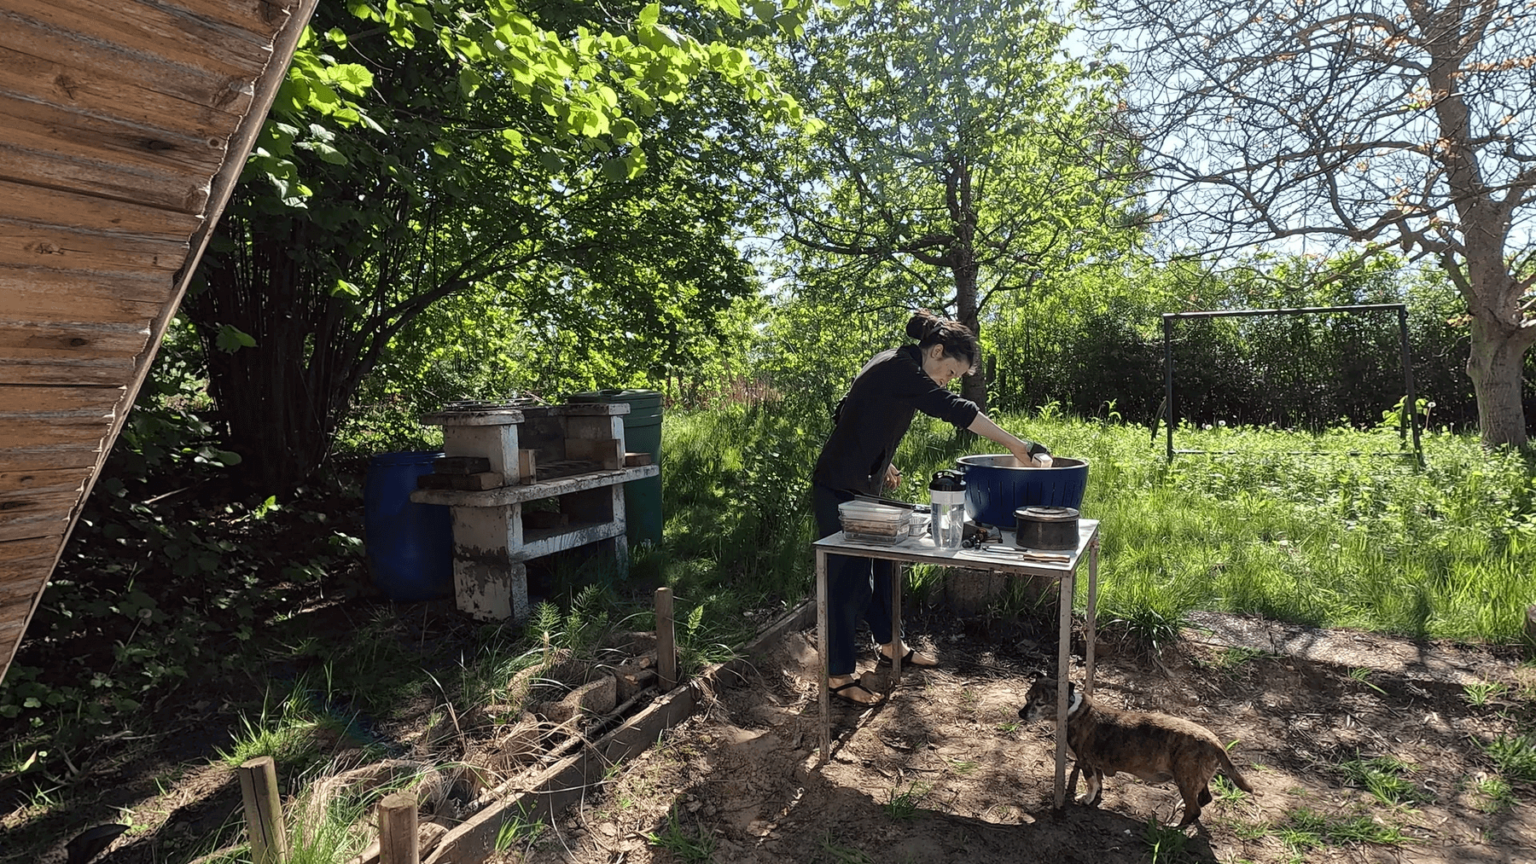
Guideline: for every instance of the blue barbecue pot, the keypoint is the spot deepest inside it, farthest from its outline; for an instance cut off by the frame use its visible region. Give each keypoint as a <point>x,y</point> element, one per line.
<point>995,486</point>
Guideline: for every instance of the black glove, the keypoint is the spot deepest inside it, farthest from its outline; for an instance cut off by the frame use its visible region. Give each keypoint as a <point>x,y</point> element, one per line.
<point>1037,449</point>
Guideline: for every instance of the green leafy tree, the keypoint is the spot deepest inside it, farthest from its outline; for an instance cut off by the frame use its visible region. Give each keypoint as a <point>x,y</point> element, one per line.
<point>1382,124</point>
<point>436,174</point>
<point>964,156</point>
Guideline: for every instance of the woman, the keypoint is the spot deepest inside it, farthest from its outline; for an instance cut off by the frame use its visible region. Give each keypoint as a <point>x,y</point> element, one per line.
<point>856,460</point>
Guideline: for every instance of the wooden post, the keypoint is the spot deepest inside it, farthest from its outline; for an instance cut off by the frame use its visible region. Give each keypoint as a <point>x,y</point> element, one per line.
<point>666,640</point>
<point>263,811</point>
<point>398,843</point>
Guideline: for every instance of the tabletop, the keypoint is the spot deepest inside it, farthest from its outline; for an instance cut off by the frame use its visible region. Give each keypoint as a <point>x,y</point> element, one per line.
<point>920,550</point>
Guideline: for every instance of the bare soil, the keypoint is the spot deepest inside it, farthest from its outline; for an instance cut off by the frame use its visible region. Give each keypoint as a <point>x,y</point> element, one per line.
<point>944,771</point>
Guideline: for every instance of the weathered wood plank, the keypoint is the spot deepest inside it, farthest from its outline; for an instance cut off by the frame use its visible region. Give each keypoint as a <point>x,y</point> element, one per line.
<point>45,431</point>
<point>608,452</point>
<point>163,123</point>
<point>175,192</point>
<point>34,205</point>
<point>155,28</point>
<point>13,615</point>
<point>477,482</point>
<point>112,372</point>
<point>261,17</point>
<point>17,550</point>
<point>47,458</point>
<point>48,480</point>
<point>22,340</point>
<point>25,526</point>
<point>70,133</point>
<point>566,782</point>
<point>24,245</point>
<point>22,502</point>
<point>152,288</point>
<point>58,402</point>
<point>186,71</point>
<point>42,294</point>
<point>24,562</point>
<point>19,591</point>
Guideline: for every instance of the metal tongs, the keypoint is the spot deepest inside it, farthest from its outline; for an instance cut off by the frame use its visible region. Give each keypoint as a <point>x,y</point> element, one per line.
<point>905,505</point>
<point>1027,554</point>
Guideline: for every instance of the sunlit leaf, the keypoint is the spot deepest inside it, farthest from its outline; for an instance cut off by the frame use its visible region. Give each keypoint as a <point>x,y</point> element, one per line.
<point>231,339</point>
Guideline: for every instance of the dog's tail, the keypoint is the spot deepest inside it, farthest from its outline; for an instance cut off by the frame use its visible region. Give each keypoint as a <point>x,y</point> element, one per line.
<point>1231,771</point>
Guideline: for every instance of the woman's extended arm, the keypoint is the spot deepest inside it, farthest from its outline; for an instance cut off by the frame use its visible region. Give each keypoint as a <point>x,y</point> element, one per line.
<point>1019,447</point>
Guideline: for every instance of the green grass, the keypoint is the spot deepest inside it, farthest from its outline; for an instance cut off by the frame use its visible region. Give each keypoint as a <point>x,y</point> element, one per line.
<point>1164,844</point>
<point>283,732</point>
<point>690,847</point>
<point>1304,829</point>
<point>840,854</point>
<point>1231,659</point>
<point>903,806</point>
<point>1384,778</point>
<point>1225,791</point>
<point>1515,755</point>
<point>1479,693</point>
<point>1495,795</point>
<point>1447,551</point>
<point>518,830</point>
<point>344,828</point>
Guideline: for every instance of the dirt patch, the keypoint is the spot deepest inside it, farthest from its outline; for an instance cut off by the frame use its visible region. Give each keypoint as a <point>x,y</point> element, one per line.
<point>944,771</point>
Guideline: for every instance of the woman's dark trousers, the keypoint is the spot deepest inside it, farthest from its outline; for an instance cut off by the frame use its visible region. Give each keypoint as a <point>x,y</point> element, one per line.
<point>856,588</point>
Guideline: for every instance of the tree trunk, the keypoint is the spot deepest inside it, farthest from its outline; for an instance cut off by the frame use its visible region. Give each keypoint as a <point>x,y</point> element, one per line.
<point>1496,368</point>
<point>972,387</point>
<point>962,260</point>
<point>281,399</point>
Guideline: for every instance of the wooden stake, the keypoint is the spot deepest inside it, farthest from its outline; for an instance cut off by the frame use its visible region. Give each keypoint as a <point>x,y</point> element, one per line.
<point>263,811</point>
<point>398,842</point>
<point>666,640</point>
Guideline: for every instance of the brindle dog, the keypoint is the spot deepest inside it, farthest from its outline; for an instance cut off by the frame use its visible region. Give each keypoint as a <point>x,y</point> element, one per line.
<point>1154,747</point>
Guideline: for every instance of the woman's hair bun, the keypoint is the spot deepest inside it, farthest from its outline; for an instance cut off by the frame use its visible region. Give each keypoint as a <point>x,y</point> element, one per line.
<point>923,325</point>
<point>957,339</point>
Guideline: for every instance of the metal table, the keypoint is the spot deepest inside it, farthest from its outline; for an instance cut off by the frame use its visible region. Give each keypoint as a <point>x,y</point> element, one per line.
<point>920,550</point>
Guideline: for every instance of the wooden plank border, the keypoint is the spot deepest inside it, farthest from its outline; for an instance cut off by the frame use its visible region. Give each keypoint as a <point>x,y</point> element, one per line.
<point>240,143</point>
<point>570,779</point>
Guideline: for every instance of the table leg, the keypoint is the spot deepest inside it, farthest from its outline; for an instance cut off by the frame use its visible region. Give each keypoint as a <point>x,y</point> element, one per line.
<point>822,652</point>
<point>1093,599</point>
<point>1063,670</point>
<point>895,626</point>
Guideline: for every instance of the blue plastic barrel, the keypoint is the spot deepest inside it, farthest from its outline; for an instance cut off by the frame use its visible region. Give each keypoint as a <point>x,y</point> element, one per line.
<point>410,546</point>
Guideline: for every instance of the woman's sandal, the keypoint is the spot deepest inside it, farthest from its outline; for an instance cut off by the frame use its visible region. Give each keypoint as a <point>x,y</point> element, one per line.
<point>838,692</point>
<point>906,660</point>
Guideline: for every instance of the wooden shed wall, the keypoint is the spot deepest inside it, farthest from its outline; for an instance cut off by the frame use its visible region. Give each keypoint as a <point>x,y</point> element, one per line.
<point>123,127</point>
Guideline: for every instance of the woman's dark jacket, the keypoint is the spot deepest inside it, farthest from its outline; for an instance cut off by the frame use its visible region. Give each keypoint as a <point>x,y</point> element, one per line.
<point>874,415</point>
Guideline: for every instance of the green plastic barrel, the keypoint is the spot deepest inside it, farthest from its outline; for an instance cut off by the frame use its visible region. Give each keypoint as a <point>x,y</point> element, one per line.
<point>642,434</point>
